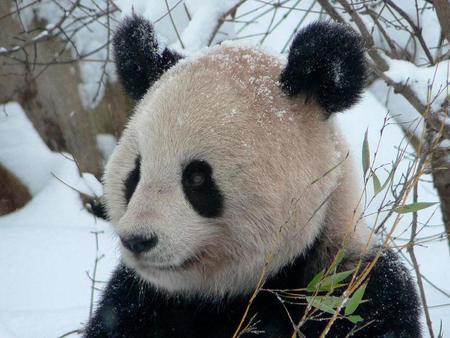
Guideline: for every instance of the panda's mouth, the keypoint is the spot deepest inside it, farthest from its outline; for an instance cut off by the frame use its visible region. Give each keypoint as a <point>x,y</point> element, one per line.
<point>184,265</point>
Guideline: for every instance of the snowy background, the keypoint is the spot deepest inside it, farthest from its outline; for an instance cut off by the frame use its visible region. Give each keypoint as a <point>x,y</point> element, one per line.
<point>48,248</point>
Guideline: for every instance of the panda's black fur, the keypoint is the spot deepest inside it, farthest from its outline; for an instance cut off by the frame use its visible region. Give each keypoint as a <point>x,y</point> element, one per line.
<point>132,180</point>
<point>133,308</point>
<point>138,59</point>
<point>205,198</point>
<point>326,61</point>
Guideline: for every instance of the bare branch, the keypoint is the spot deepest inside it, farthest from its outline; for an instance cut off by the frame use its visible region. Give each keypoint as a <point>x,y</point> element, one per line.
<point>45,35</point>
<point>417,31</point>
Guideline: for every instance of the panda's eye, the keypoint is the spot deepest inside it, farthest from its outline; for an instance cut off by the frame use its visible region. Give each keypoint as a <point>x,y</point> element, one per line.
<point>201,190</point>
<point>196,179</point>
<point>196,174</point>
<point>132,180</point>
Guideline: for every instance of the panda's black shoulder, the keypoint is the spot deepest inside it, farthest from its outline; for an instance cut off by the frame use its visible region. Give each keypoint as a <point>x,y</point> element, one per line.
<point>391,308</point>
<point>131,308</point>
<point>392,298</point>
<point>119,301</point>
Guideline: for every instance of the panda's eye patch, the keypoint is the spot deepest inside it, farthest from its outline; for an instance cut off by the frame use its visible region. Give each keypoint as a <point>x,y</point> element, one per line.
<point>132,180</point>
<point>201,190</point>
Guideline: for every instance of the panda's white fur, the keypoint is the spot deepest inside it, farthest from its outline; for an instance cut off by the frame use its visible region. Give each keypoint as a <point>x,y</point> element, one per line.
<point>272,158</point>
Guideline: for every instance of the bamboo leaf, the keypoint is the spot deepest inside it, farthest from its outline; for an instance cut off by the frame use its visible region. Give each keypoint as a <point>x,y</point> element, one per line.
<point>355,300</point>
<point>376,183</point>
<point>338,259</point>
<point>331,287</point>
<point>390,177</point>
<point>326,304</point>
<point>331,282</point>
<point>313,283</point>
<point>365,154</point>
<point>355,319</point>
<point>407,208</point>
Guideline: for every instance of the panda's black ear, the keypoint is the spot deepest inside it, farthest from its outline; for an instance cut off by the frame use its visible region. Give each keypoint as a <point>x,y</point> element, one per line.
<point>139,62</point>
<point>326,61</point>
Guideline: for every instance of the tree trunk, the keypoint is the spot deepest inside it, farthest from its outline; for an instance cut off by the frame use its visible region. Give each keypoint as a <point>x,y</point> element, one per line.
<point>49,94</point>
<point>439,141</point>
<point>13,194</point>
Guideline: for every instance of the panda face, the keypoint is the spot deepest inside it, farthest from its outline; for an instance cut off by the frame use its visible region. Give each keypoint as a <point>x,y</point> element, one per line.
<point>213,175</point>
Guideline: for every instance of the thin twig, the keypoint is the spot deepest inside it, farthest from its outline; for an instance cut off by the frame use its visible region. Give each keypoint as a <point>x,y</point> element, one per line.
<point>169,11</point>
<point>94,272</point>
<point>417,31</point>
<point>410,248</point>
<point>44,35</point>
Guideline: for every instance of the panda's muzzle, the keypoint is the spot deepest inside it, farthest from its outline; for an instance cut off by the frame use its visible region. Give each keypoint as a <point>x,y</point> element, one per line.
<point>139,244</point>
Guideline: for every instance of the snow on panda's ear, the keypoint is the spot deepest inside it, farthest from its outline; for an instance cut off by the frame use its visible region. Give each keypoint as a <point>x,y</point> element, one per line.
<point>139,62</point>
<point>326,61</point>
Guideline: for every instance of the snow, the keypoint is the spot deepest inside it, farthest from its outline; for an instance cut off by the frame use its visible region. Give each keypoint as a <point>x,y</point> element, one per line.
<point>47,246</point>
<point>106,144</point>
<point>203,22</point>
<point>17,136</point>
<point>40,35</point>
<point>399,108</point>
<point>280,114</point>
<point>444,144</point>
<point>430,84</point>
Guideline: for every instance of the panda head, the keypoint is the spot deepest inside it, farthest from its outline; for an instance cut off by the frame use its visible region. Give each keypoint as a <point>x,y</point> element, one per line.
<point>224,169</point>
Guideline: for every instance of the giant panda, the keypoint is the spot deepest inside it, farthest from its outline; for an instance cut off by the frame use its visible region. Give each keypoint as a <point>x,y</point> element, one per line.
<point>232,175</point>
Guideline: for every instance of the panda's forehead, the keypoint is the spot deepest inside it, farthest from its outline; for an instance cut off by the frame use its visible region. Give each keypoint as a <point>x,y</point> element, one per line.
<point>226,98</point>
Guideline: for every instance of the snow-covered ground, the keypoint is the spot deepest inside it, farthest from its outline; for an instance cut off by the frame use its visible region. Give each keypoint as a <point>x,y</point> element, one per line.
<point>47,248</point>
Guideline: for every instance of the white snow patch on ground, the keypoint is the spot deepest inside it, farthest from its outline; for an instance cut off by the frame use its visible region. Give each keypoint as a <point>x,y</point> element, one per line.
<point>22,151</point>
<point>47,246</point>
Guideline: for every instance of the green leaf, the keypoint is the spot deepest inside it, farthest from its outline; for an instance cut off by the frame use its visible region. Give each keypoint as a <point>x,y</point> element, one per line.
<point>407,208</point>
<point>354,301</point>
<point>331,287</point>
<point>376,183</point>
<point>390,177</point>
<point>355,319</point>
<point>313,283</point>
<point>331,282</point>
<point>365,154</point>
<point>338,259</point>
<point>326,304</point>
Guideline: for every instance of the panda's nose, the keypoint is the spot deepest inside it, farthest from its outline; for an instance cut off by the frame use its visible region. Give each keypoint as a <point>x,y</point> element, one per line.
<point>139,244</point>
